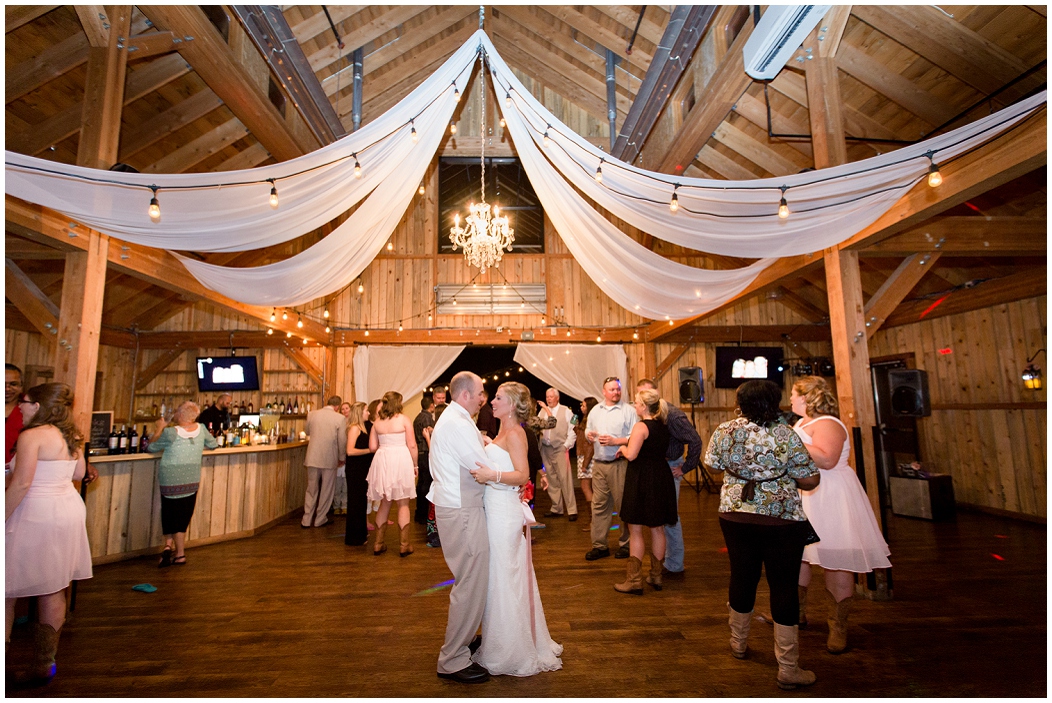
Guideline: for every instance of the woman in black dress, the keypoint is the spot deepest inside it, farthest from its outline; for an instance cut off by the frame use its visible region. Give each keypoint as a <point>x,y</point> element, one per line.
<point>359,458</point>
<point>649,498</point>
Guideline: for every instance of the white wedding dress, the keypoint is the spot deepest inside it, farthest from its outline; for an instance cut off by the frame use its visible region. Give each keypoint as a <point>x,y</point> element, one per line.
<point>515,639</point>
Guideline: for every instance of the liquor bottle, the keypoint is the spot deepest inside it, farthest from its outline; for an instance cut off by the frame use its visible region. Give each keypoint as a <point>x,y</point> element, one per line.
<point>296,407</point>
<point>230,436</point>
<point>243,406</point>
<point>250,407</point>
<point>153,410</point>
<point>235,411</point>
<point>281,406</point>
<point>164,409</point>
<point>114,443</point>
<point>133,441</point>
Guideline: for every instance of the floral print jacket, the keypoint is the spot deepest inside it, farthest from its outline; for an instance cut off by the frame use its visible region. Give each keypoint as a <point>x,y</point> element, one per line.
<point>760,465</point>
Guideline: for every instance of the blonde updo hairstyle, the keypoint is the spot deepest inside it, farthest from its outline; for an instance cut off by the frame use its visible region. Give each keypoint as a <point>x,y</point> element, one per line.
<point>519,397</point>
<point>655,405</point>
<point>391,405</point>
<point>817,395</point>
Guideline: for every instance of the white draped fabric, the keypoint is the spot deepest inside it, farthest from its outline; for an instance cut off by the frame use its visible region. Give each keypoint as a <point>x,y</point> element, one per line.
<point>732,218</point>
<point>578,370</point>
<point>408,370</point>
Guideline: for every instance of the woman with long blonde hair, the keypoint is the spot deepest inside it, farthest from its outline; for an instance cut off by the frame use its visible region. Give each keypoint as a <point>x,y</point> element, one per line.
<point>392,476</point>
<point>839,510</point>
<point>359,458</point>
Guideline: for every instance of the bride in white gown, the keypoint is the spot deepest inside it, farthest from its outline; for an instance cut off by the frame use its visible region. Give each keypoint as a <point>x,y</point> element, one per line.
<point>515,639</point>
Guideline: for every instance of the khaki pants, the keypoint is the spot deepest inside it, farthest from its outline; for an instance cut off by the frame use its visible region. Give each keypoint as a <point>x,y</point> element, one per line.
<point>608,485</point>
<point>560,480</point>
<point>318,500</point>
<point>465,547</point>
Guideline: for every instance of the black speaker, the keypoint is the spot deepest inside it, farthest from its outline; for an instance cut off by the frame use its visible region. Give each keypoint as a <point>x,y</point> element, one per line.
<point>908,389</point>
<point>691,385</point>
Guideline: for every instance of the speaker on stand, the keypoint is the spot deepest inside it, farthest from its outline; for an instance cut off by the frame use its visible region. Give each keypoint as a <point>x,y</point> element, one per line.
<point>692,390</point>
<point>908,391</point>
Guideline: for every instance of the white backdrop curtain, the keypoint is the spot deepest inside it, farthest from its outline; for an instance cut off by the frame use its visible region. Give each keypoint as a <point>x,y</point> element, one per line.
<point>734,218</point>
<point>408,370</point>
<point>578,370</point>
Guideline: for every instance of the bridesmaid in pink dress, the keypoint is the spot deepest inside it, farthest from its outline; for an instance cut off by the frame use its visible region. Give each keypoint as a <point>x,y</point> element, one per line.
<point>45,534</point>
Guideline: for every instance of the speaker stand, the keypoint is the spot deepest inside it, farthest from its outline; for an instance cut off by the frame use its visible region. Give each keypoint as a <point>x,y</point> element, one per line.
<point>702,479</point>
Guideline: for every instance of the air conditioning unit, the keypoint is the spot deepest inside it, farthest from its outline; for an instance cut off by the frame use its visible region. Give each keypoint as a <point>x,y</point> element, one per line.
<point>780,32</point>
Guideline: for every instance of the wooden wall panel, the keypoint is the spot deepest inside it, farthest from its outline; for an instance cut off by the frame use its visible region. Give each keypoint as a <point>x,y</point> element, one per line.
<point>983,430</point>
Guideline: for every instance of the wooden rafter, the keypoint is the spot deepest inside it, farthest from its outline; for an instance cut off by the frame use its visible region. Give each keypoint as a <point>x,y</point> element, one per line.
<point>192,153</point>
<point>16,16</point>
<point>969,236</point>
<point>670,360</point>
<point>193,108</point>
<point>30,300</point>
<point>304,362</point>
<point>1028,283</point>
<point>895,289</point>
<point>160,364</point>
<point>362,33</point>
<point>616,41</point>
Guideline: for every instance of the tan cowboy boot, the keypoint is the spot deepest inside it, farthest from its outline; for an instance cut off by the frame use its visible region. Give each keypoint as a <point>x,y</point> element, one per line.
<point>787,652</point>
<point>739,623</point>
<point>404,549</point>
<point>654,577</point>
<point>633,582</point>
<point>378,546</point>
<point>837,641</point>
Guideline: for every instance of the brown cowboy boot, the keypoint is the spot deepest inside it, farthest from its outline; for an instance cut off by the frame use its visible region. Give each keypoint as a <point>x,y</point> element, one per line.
<point>654,577</point>
<point>41,667</point>
<point>633,582</point>
<point>837,641</point>
<point>787,652</point>
<point>404,549</point>
<point>378,546</point>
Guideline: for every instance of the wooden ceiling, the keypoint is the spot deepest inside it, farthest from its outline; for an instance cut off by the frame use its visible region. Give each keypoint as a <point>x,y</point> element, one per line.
<point>903,72</point>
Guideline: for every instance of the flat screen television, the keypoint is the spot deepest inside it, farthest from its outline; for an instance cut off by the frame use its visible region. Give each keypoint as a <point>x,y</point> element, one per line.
<point>227,373</point>
<point>736,365</point>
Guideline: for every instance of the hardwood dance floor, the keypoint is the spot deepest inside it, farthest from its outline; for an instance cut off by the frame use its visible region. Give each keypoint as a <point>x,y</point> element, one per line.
<point>294,612</point>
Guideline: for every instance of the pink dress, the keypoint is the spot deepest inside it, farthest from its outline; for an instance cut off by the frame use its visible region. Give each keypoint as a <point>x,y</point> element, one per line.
<point>840,512</point>
<point>391,474</point>
<point>46,538</point>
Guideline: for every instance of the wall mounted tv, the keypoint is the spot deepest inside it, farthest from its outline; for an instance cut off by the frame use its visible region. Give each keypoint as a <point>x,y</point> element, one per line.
<point>227,373</point>
<point>736,365</point>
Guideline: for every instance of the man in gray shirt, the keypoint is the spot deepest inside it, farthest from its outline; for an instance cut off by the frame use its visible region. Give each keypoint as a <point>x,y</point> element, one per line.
<point>326,451</point>
<point>609,425</point>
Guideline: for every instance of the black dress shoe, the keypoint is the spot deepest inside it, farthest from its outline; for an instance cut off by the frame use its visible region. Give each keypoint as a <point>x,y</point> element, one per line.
<point>622,553</point>
<point>672,575</point>
<point>469,674</point>
<point>551,514</point>
<point>573,517</point>
<point>475,644</point>
<point>597,553</point>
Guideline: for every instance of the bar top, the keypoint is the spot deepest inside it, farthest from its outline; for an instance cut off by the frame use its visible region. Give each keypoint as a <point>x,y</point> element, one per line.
<point>110,459</point>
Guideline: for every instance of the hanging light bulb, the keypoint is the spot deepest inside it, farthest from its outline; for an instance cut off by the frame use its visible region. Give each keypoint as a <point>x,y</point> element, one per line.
<point>454,301</point>
<point>599,337</point>
<point>520,369</point>
<point>547,141</point>
<point>673,204</point>
<point>155,207</point>
<point>412,131</point>
<point>599,171</point>
<point>399,325</point>
<point>299,322</point>
<point>567,333</point>
<point>327,330</point>
<point>783,206</point>
<point>284,315</point>
<point>503,123</point>
<point>326,314</point>
<point>429,317</point>
<point>273,314</point>
<point>421,189</point>
<point>542,321</point>
<point>357,167</point>
<point>456,93</point>
<point>273,194</point>
<point>452,127</point>
<point>366,333</point>
<point>934,177</point>
<point>507,373</point>
<point>390,246</point>
<point>635,335</point>
<point>361,288</point>
<point>304,340</point>
<point>270,330</point>
<point>507,99</point>
<point>288,334</point>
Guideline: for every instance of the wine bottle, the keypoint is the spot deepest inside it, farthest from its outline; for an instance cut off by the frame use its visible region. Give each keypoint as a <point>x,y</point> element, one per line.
<point>114,443</point>
<point>122,441</point>
<point>243,406</point>
<point>250,407</point>
<point>235,411</point>
<point>296,407</point>
<point>133,441</point>
<point>144,442</point>
<point>153,410</point>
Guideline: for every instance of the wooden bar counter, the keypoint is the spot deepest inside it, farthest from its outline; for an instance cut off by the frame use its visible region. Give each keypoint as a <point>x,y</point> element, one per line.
<point>244,490</point>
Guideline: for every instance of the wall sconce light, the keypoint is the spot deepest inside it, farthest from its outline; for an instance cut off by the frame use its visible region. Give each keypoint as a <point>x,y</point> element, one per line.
<point>1032,374</point>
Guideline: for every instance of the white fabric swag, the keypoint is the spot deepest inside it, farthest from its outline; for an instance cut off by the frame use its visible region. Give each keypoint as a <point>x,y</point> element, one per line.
<point>734,218</point>
<point>578,370</point>
<point>407,370</point>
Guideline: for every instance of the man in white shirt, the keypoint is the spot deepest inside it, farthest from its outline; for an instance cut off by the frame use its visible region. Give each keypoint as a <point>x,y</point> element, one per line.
<point>609,425</point>
<point>554,445</point>
<point>456,446</point>
<point>326,451</point>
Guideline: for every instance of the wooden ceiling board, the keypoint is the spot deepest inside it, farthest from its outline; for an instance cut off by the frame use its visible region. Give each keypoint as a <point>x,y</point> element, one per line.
<point>361,32</point>
<point>1019,31</point>
<point>254,155</point>
<point>181,137</point>
<point>652,26</point>
<point>605,31</point>
<point>30,39</point>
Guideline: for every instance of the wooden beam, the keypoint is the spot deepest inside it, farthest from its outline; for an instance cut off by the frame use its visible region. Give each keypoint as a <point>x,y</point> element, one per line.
<point>192,153</point>
<point>893,86</point>
<point>968,236</point>
<point>729,81</point>
<point>214,61</point>
<point>793,86</point>
<point>214,339</point>
<point>362,33</point>
<point>724,165</point>
<point>801,306</point>
<point>80,322</point>
<point>176,117</point>
<point>627,16</point>
<point>895,289</point>
<point>303,361</point>
<point>1028,283</point>
<point>143,46</point>
<point>96,24</point>
<point>16,16</point>
<point>757,152</point>
<point>50,63</point>
<point>160,364</point>
<point>104,94</point>
<point>827,124</point>
<point>310,27</point>
<point>66,123</point>
<point>602,35</point>
<point>249,157</point>
<point>670,360</point>
<point>709,334</point>
<point>31,301</point>
<point>46,226</point>
<point>834,24</point>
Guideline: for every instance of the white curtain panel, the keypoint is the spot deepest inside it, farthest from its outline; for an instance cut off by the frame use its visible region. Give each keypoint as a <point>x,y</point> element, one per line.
<point>237,216</point>
<point>408,370</point>
<point>578,370</point>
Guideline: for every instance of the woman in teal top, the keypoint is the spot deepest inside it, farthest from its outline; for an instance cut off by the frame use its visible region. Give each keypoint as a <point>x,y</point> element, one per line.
<point>179,474</point>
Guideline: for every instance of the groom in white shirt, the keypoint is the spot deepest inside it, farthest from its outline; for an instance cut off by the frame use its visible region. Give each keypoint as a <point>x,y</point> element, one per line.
<point>456,446</point>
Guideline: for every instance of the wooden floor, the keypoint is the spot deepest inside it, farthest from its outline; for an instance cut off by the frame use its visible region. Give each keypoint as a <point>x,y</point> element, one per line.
<point>294,612</point>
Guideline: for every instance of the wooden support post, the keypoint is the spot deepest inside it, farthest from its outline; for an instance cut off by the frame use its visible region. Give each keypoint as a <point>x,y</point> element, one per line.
<point>649,360</point>
<point>79,323</point>
<point>665,366</point>
<point>104,92</point>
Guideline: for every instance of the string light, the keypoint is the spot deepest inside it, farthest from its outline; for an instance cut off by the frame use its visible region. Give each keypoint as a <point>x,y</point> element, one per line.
<point>421,189</point>
<point>542,321</point>
<point>635,335</point>
<point>547,141</point>
<point>304,340</point>
<point>399,325</point>
<point>361,288</point>
<point>270,330</point>
<point>673,204</point>
<point>412,131</point>
<point>452,127</point>
<point>273,194</point>
<point>783,206</point>
<point>507,98</point>
<point>503,123</point>
<point>599,170</point>
<point>284,315</point>
<point>299,322</point>
<point>456,93</point>
<point>934,177</point>
<point>327,329</point>
<point>390,246</point>
<point>567,333</point>
<point>429,317</point>
<point>599,338</point>
<point>273,314</point>
<point>326,314</point>
<point>155,207</point>
<point>288,334</point>
<point>357,167</point>
<point>454,301</point>
<point>366,333</point>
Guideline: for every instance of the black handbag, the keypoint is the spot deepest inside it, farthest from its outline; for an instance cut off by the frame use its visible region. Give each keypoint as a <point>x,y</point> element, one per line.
<point>810,536</point>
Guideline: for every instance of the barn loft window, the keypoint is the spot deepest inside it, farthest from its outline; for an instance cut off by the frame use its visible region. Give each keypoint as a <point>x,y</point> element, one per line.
<point>506,185</point>
<point>219,18</point>
<point>277,98</point>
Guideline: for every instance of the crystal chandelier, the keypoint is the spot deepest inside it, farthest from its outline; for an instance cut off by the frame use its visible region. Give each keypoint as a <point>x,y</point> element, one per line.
<point>486,235</point>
